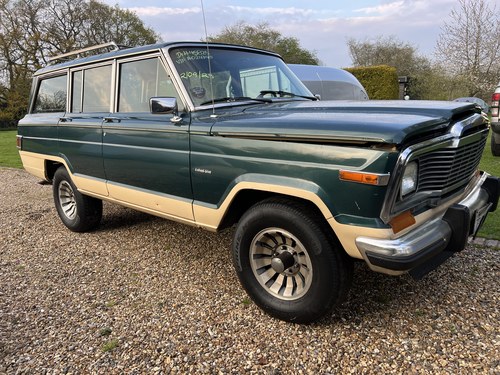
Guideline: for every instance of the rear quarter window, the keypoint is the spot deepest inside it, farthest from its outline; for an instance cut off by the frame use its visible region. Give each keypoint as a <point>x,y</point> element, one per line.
<point>51,95</point>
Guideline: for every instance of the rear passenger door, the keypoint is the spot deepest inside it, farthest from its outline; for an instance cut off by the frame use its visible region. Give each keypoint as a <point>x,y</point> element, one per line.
<point>80,130</point>
<point>146,156</point>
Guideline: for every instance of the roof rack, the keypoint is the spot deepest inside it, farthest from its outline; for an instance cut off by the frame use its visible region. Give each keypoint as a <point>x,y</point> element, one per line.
<point>111,46</point>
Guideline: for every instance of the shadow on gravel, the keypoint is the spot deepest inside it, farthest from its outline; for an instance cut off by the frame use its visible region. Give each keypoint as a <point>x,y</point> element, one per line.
<point>115,217</point>
<point>378,295</point>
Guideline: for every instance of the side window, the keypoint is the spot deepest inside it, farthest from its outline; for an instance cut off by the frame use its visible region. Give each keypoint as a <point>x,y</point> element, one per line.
<point>140,81</point>
<point>91,90</point>
<point>51,95</point>
<point>97,89</point>
<point>76,96</point>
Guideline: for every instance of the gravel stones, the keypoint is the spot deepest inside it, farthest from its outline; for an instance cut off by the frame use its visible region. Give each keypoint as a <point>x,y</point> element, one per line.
<point>146,295</point>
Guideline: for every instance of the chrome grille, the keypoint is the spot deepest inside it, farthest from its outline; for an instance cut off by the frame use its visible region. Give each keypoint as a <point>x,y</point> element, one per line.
<point>449,168</point>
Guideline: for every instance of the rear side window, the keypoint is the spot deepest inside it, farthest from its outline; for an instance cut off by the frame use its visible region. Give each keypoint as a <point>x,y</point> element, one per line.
<point>91,90</point>
<point>140,81</point>
<point>51,95</point>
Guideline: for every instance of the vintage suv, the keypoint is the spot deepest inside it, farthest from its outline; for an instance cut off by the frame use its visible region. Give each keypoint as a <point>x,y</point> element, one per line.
<point>216,135</point>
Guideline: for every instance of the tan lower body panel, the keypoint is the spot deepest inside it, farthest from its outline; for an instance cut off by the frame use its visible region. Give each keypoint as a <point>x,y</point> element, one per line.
<point>34,163</point>
<point>157,204</point>
<point>347,235</point>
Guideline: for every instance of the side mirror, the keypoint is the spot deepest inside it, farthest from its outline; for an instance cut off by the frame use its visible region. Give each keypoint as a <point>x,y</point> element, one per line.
<point>163,106</point>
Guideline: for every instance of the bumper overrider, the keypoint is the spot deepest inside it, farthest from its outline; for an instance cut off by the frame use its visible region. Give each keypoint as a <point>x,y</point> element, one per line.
<point>426,247</point>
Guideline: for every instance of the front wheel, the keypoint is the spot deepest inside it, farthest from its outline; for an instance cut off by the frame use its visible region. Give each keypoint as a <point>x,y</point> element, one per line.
<point>288,262</point>
<point>78,212</point>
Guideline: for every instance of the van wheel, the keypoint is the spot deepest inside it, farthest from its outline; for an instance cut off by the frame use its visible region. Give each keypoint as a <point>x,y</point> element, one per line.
<point>288,262</point>
<point>78,212</point>
<point>495,144</point>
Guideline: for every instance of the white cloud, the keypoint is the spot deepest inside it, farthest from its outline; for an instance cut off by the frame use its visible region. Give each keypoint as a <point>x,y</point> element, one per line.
<point>383,9</point>
<point>269,11</point>
<point>162,11</point>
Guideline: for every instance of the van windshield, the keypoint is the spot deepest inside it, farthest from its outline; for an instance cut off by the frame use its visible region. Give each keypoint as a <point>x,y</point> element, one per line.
<point>224,75</point>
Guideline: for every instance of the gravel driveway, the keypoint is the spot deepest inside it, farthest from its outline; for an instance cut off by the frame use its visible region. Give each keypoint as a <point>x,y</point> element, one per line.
<point>145,295</point>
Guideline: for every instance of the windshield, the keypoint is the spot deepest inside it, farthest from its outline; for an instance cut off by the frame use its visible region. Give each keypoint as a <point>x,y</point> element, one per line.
<point>234,75</point>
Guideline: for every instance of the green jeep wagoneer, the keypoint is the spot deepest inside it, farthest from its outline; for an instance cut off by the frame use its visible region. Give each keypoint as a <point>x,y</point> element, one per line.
<point>219,135</point>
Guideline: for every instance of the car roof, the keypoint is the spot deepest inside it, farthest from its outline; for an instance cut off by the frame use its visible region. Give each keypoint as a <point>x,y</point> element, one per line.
<point>137,51</point>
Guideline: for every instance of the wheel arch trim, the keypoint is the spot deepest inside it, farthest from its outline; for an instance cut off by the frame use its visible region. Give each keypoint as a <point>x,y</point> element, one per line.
<point>211,216</point>
<point>36,164</point>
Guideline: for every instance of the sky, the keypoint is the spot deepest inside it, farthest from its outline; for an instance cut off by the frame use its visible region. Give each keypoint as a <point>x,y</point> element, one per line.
<point>322,26</point>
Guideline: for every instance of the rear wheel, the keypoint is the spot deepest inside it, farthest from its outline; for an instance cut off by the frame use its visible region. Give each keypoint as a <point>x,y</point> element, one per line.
<point>288,262</point>
<point>78,212</point>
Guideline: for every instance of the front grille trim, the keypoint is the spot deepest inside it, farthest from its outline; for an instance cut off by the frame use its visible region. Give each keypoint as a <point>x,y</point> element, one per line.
<point>461,138</point>
<point>449,168</point>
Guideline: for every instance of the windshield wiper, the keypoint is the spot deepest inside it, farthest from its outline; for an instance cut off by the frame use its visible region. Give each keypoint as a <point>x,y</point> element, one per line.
<point>285,93</point>
<point>231,99</point>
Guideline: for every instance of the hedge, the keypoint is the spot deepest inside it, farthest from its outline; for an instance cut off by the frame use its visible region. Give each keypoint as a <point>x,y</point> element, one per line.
<point>380,82</point>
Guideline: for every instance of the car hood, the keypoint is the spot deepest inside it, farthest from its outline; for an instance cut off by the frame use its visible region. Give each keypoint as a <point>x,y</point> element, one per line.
<point>393,122</point>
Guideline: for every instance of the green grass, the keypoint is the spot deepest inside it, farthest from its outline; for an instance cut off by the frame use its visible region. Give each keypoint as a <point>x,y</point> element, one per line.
<point>110,345</point>
<point>491,164</point>
<point>9,156</point>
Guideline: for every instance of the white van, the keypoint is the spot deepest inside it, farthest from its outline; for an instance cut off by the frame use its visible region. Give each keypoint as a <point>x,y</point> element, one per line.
<point>330,83</point>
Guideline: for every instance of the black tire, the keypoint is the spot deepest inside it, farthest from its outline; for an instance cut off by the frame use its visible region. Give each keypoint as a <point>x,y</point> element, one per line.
<point>80,213</point>
<point>495,144</point>
<point>320,276</point>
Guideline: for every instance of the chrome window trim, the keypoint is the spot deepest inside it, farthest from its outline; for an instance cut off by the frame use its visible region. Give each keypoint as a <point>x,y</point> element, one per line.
<point>83,68</point>
<point>450,140</point>
<point>176,78</point>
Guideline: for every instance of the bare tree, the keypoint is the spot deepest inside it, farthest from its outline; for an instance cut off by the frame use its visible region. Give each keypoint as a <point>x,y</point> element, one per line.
<point>469,45</point>
<point>400,55</point>
<point>33,30</point>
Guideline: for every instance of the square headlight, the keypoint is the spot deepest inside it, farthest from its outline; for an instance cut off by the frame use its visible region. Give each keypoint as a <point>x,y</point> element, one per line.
<point>410,179</point>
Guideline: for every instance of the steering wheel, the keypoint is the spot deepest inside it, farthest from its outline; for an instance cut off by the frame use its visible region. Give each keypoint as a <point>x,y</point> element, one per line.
<point>267,92</point>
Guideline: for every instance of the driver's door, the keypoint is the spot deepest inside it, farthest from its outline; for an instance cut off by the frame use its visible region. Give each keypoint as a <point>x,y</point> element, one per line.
<point>146,155</point>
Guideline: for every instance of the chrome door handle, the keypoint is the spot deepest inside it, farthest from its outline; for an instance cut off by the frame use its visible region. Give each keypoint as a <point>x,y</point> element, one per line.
<point>177,120</point>
<point>112,119</point>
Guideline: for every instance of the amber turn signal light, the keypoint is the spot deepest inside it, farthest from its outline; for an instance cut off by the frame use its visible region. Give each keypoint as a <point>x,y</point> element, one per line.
<point>364,178</point>
<point>402,221</point>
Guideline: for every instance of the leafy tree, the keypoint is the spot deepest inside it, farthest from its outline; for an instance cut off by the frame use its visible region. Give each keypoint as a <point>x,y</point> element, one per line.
<point>386,51</point>
<point>469,45</point>
<point>33,30</point>
<point>264,37</point>
<point>400,55</point>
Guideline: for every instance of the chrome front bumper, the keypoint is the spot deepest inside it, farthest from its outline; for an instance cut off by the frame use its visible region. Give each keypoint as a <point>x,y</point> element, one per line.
<point>430,244</point>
